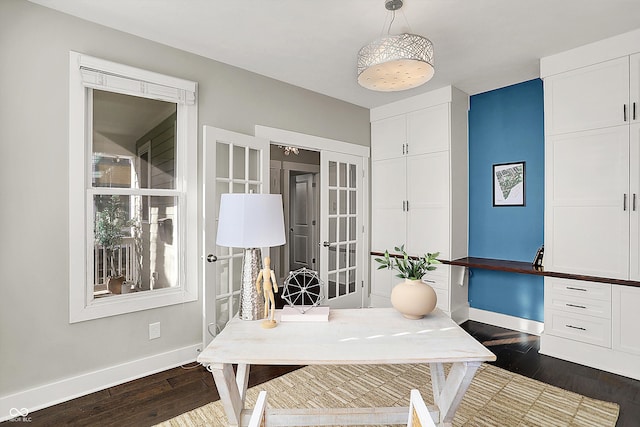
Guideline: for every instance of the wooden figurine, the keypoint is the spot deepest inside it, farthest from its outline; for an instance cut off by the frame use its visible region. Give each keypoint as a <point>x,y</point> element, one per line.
<point>269,284</point>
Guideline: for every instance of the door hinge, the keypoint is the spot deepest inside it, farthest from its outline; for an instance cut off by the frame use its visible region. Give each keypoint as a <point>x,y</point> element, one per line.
<point>362,284</point>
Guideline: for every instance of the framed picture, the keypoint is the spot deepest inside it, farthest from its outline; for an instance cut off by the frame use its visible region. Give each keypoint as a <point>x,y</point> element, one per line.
<point>508,184</point>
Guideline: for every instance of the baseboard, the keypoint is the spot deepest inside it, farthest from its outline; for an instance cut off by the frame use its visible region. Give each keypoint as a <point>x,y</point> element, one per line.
<point>70,388</point>
<point>505,321</point>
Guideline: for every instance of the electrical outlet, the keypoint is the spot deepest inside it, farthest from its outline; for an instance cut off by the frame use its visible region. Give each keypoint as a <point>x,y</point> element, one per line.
<point>154,330</point>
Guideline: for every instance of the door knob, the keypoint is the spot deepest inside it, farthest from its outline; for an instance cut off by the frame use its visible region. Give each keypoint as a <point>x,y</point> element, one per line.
<point>326,244</point>
<point>212,258</point>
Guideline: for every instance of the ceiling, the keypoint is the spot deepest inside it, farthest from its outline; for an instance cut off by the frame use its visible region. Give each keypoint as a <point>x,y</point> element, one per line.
<point>479,45</point>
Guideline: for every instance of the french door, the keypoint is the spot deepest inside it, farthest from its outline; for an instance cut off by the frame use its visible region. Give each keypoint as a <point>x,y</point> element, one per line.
<point>233,163</point>
<point>341,229</point>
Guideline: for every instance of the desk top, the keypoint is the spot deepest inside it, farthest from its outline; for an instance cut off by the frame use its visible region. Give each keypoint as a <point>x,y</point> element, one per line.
<point>351,336</point>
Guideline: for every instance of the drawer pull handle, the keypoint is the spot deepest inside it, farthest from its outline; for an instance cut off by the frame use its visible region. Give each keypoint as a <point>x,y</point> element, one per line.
<point>571,288</point>
<point>575,305</point>
<point>428,281</point>
<point>575,327</point>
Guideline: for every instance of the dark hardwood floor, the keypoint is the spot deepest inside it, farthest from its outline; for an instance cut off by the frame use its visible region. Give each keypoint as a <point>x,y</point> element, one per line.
<point>158,397</point>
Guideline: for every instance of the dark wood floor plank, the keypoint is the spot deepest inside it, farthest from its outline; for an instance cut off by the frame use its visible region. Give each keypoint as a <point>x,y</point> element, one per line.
<point>159,397</point>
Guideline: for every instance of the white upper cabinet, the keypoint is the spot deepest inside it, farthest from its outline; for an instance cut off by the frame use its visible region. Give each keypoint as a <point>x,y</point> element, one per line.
<point>428,130</point>
<point>388,138</point>
<point>590,97</point>
<point>634,87</point>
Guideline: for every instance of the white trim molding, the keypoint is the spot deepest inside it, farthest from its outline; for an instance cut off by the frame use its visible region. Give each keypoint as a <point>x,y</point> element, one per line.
<point>70,388</point>
<point>505,321</point>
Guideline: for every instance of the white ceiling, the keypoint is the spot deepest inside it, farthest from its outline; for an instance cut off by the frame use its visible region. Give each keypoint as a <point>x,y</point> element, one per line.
<point>479,45</point>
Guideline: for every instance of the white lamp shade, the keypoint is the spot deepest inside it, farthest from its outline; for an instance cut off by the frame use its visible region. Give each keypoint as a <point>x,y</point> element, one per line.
<point>250,221</point>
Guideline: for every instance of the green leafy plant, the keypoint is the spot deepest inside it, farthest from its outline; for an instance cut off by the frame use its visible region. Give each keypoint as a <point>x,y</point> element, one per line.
<point>412,268</point>
<point>110,224</point>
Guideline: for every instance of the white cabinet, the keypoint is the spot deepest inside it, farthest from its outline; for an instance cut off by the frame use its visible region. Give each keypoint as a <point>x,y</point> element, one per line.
<point>626,318</point>
<point>591,167</point>
<point>587,98</point>
<point>587,202</point>
<point>418,173</point>
<point>592,204</point>
<point>578,310</point>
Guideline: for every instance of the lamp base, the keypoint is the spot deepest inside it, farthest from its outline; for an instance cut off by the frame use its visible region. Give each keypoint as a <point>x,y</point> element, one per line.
<point>251,304</point>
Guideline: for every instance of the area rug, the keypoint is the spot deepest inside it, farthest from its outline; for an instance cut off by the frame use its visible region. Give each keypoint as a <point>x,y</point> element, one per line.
<point>496,397</point>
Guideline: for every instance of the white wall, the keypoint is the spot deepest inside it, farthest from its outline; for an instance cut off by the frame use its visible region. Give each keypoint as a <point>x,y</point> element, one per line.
<point>37,344</point>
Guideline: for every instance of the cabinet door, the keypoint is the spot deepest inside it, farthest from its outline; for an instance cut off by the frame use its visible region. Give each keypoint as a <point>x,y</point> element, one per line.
<point>586,216</point>
<point>428,198</point>
<point>428,130</point>
<point>388,197</point>
<point>634,213</point>
<point>634,81</point>
<point>626,317</point>
<point>382,281</point>
<point>388,137</point>
<point>588,98</point>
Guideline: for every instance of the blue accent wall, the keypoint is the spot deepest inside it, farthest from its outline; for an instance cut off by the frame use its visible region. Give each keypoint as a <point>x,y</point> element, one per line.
<point>506,125</point>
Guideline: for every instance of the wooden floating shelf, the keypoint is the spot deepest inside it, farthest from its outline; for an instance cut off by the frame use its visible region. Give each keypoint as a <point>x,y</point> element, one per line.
<point>521,267</point>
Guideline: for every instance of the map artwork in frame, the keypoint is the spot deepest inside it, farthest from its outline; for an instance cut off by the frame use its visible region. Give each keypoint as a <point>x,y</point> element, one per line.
<point>508,184</point>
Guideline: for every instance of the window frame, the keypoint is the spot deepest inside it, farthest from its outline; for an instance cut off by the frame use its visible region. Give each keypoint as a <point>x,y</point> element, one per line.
<point>82,304</point>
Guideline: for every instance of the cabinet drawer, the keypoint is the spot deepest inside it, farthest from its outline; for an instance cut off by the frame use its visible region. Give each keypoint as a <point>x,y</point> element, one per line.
<point>437,282</point>
<point>588,329</point>
<point>574,304</point>
<point>577,288</point>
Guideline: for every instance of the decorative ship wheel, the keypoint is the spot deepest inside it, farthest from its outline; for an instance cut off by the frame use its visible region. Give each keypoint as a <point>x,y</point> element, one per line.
<point>303,289</point>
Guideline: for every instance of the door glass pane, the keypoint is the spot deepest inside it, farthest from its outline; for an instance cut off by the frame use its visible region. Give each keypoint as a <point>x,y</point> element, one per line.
<point>352,255</point>
<point>239,171</point>
<point>254,188</point>
<point>352,202</point>
<point>352,281</point>
<point>342,256</point>
<point>333,222</point>
<point>332,285</point>
<point>222,160</point>
<point>333,202</point>
<point>352,228</point>
<point>254,164</point>
<point>333,174</point>
<point>222,284</point>
<point>238,188</point>
<point>342,234</point>
<point>343,202</point>
<point>342,283</point>
<point>343,174</point>
<point>352,176</point>
<point>332,258</point>
<point>236,280</point>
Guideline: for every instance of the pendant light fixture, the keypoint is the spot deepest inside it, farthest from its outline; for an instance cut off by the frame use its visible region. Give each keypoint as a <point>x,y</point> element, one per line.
<point>395,62</point>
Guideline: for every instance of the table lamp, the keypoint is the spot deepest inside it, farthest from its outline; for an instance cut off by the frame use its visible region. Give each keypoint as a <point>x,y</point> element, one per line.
<point>251,222</point>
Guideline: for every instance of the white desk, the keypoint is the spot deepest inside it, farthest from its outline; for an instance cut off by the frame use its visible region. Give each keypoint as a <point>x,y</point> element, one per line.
<point>354,336</point>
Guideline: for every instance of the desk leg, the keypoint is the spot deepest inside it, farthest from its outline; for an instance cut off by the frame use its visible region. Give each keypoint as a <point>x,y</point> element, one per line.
<point>232,389</point>
<point>448,393</point>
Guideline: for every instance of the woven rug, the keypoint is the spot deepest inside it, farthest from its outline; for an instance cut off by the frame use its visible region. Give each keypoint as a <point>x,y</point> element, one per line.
<point>496,397</point>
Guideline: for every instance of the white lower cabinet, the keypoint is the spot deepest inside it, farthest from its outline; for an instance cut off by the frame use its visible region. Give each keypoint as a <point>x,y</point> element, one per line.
<point>626,319</point>
<point>593,324</point>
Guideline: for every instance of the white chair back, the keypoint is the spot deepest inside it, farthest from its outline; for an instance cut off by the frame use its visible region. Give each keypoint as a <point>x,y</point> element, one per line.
<point>258,418</point>
<point>419,415</point>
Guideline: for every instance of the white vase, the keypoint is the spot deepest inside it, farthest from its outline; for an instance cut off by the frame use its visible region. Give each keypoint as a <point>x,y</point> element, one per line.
<point>413,298</point>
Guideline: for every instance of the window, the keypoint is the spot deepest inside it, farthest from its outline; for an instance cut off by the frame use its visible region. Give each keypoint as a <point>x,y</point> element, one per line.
<point>132,189</point>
